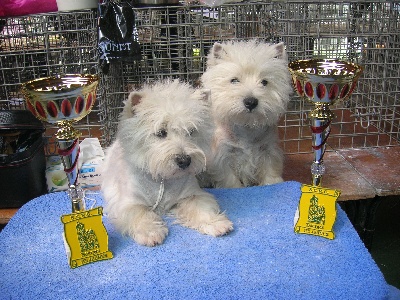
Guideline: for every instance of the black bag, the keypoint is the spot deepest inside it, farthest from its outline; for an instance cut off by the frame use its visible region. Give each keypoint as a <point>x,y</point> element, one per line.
<point>118,36</point>
<point>22,159</point>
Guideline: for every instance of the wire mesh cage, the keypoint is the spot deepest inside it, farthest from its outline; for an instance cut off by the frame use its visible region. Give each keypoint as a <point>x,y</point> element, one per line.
<point>175,41</point>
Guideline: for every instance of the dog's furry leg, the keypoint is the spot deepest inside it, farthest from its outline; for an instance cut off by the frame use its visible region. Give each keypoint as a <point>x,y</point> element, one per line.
<point>270,172</point>
<point>202,213</point>
<point>226,178</point>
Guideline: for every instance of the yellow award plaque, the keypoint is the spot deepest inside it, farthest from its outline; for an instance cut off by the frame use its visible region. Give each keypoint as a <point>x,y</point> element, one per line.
<point>317,211</point>
<point>85,237</point>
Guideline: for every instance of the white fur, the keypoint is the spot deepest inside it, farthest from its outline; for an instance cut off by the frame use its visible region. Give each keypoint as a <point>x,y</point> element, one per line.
<point>245,145</point>
<point>141,164</point>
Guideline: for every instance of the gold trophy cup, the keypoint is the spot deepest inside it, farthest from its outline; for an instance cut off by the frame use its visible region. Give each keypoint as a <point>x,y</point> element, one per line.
<point>323,82</point>
<point>63,100</point>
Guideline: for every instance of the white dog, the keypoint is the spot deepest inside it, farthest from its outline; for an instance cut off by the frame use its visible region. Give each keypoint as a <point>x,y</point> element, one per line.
<point>250,88</point>
<point>150,169</point>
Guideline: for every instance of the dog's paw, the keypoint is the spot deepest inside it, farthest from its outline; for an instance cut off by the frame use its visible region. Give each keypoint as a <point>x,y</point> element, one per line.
<point>151,235</point>
<point>271,180</point>
<point>202,213</point>
<point>148,229</point>
<point>216,226</point>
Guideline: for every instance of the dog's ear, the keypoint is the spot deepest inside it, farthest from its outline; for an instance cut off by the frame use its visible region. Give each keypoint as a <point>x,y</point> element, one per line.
<point>203,95</point>
<point>134,98</point>
<point>217,51</point>
<point>280,50</point>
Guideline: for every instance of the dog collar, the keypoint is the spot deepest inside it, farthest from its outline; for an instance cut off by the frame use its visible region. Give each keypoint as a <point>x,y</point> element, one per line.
<point>160,194</point>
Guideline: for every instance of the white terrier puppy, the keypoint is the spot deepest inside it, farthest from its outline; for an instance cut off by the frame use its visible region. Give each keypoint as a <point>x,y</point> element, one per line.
<point>151,167</point>
<point>250,88</point>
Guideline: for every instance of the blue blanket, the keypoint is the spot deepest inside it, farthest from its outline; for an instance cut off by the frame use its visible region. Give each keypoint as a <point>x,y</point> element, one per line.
<point>262,259</point>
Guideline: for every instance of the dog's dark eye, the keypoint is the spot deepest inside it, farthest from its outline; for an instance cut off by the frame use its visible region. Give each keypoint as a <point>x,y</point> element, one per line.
<point>264,82</point>
<point>234,80</point>
<point>162,133</point>
<point>192,131</point>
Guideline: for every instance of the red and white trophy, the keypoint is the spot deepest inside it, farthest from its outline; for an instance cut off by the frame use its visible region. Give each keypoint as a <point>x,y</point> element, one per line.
<point>63,100</point>
<point>323,82</point>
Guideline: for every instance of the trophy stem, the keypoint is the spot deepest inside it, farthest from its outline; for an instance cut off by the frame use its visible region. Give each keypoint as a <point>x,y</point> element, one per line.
<point>321,118</point>
<point>68,149</point>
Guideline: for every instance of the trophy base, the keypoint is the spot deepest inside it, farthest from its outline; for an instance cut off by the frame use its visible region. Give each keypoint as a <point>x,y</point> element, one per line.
<point>317,180</point>
<point>77,199</point>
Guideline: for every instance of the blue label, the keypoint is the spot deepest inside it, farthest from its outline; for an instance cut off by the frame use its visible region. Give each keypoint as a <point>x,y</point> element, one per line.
<point>87,170</point>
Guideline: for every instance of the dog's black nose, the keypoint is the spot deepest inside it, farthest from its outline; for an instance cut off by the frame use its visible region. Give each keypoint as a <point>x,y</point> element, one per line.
<point>250,103</point>
<point>183,161</point>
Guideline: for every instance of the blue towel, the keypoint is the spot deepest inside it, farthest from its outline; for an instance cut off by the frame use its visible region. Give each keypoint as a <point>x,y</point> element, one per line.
<point>261,259</point>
